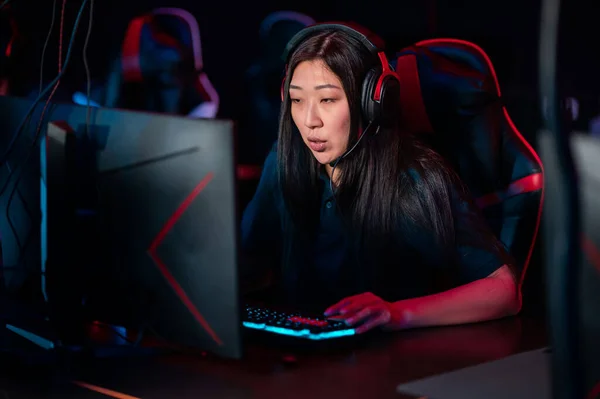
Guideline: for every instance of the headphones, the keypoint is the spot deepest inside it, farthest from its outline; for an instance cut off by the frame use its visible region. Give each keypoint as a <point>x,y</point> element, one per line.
<point>381,85</point>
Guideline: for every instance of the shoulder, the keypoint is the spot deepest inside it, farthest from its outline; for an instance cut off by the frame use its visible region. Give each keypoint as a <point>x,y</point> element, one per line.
<point>430,170</point>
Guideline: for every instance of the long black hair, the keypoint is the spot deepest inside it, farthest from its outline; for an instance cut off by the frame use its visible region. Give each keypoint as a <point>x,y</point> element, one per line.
<point>389,181</point>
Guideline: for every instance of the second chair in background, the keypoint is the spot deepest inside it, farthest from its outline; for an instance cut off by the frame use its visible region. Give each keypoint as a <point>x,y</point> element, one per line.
<point>160,68</point>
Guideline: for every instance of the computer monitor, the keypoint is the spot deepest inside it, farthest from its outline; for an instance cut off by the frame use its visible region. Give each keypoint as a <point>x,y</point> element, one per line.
<point>586,158</point>
<point>176,236</point>
<point>151,199</point>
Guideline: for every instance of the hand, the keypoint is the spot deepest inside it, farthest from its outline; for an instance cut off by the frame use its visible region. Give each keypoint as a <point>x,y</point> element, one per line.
<point>367,308</point>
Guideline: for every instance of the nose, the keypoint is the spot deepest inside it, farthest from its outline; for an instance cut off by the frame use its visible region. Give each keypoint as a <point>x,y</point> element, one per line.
<point>312,119</point>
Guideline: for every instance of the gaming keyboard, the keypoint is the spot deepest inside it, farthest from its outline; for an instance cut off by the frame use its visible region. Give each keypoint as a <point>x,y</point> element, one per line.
<point>293,324</point>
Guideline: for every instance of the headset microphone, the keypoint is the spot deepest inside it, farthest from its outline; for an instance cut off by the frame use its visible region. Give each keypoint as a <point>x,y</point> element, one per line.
<point>334,163</point>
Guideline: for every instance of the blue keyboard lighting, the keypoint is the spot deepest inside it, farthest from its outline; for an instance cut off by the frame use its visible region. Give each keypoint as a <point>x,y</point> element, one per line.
<point>294,324</point>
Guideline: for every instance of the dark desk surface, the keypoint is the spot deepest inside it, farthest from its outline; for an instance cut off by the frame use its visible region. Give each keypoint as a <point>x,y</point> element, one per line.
<point>374,369</point>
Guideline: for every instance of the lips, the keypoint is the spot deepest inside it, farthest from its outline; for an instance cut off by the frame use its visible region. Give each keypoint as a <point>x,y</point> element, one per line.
<point>317,145</point>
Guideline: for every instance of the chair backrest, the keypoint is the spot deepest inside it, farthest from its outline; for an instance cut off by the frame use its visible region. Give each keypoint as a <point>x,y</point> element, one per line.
<point>450,90</point>
<point>183,32</point>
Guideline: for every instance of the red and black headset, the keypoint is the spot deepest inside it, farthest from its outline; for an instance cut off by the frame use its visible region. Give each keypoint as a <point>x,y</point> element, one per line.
<point>381,85</point>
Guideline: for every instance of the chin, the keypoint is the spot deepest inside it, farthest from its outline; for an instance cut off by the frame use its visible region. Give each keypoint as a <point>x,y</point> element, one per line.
<point>323,158</point>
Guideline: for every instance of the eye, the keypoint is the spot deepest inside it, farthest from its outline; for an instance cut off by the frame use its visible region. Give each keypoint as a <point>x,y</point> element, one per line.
<point>295,100</point>
<point>327,100</point>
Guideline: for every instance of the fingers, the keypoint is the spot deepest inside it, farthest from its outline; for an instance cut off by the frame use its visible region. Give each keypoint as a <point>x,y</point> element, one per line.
<point>380,320</point>
<point>365,309</point>
<point>351,304</point>
<point>359,316</point>
<point>335,309</point>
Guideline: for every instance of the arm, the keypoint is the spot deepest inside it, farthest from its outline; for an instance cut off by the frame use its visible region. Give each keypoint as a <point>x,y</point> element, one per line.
<point>487,286</point>
<point>482,271</point>
<point>489,298</point>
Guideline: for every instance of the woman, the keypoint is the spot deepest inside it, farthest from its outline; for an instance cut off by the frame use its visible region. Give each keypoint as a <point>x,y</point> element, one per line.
<point>369,225</point>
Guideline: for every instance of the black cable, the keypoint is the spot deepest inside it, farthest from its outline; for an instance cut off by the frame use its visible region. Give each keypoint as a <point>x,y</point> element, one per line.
<point>39,130</point>
<point>28,238</point>
<point>87,68</point>
<point>335,163</point>
<point>563,252</point>
<point>49,87</point>
<point>48,36</point>
<point>29,213</point>
<point>22,248</point>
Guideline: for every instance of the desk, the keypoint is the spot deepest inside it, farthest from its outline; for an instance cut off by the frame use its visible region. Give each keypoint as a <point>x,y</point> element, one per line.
<point>372,370</point>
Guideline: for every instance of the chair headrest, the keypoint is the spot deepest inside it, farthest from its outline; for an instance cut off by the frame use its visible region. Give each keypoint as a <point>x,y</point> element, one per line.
<point>173,29</point>
<point>165,44</point>
<point>450,88</point>
<point>455,80</point>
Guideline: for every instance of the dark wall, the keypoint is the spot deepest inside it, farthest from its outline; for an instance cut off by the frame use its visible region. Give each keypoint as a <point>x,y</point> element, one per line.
<point>508,31</point>
<point>229,33</point>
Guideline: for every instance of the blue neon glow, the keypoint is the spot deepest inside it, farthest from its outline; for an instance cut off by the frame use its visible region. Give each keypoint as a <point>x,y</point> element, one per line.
<point>36,339</point>
<point>300,333</point>
<point>81,99</point>
<point>44,212</point>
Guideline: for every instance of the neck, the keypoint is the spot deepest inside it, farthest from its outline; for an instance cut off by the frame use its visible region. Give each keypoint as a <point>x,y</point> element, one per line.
<point>329,169</point>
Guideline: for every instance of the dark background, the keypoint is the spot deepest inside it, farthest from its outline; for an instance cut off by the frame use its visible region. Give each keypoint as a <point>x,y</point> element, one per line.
<point>508,31</point>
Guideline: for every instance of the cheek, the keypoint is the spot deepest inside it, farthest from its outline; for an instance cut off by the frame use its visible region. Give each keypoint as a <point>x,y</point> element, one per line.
<point>342,127</point>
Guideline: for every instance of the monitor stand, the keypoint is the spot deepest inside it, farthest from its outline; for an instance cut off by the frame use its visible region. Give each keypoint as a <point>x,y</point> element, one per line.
<point>33,338</point>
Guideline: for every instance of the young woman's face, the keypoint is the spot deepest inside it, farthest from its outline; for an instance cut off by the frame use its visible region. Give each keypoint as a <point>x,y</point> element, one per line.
<point>320,110</point>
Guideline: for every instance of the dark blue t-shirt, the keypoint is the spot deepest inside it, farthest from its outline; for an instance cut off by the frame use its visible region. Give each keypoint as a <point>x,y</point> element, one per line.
<point>332,269</point>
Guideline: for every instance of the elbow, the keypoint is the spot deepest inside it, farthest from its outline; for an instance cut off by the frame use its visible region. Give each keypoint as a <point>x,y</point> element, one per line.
<point>512,299</point>
<point>513,306</point>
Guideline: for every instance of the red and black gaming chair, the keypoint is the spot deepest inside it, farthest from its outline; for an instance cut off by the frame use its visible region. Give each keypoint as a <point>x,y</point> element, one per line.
<point>450,94</point>
<point>183,36</point>
<point>184,31</point>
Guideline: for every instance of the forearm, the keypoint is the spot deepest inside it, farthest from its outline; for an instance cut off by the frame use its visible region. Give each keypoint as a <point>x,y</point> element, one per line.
<point>490,298</point>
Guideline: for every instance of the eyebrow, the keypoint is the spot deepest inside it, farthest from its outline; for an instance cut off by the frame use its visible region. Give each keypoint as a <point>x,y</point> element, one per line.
<point>319,87</point>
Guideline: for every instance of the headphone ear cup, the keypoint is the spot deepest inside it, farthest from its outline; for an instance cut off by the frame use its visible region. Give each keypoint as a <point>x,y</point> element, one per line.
<point>389,106</point>
<point>370,108</point>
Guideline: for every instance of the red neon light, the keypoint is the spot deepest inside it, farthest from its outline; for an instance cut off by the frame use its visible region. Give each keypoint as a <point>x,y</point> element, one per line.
<point>513,128</point>
<point>167,273</point>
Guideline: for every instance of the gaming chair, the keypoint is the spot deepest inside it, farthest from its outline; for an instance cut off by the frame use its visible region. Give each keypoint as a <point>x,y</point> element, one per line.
<point>451,96</point>
<point>186,32</point>
<point>181,36</point>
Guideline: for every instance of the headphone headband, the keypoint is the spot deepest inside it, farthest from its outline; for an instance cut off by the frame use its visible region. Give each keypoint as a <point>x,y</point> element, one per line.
<point>380,86</point>
<point>371,41</point>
